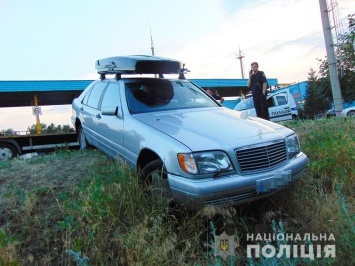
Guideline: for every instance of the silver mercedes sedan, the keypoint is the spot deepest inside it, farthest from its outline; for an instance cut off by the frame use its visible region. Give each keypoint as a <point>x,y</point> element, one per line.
<point>179,139</point>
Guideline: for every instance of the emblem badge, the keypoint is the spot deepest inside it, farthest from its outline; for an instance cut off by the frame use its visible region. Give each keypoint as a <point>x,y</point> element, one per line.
<point>224,245</point>
<point>260,133</point>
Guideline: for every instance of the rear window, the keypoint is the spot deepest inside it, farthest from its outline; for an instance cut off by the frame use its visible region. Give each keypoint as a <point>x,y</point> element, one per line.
<point>92,98</point>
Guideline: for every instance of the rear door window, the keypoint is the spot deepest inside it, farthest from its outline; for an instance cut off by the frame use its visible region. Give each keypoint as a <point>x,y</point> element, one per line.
<point>92,99</point>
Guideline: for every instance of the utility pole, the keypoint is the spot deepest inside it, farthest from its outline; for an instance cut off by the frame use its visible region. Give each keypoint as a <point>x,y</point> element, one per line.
<point>332,63</point>
<point>240,58</point>
<point>37,111</point>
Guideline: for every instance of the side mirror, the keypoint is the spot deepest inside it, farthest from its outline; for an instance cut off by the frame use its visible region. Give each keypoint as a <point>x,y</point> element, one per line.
<point>112,111</point>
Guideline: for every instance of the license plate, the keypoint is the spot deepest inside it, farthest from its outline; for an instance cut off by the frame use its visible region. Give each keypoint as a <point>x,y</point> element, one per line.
<point>280,180</point>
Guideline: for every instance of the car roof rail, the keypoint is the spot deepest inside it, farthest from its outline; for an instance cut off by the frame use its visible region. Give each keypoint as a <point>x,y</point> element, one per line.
<point>138,64</point>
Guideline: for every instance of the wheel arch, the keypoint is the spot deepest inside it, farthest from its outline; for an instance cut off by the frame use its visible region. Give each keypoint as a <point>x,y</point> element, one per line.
<point>146,156</point>
<point>77,124</point>
<point>13,143</point>
<point>350,112</point>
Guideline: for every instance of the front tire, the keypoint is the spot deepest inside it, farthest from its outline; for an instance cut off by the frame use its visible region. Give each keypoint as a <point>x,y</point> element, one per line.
<point>351,113</point>
<point>156,183</point>
<point>7,151</point>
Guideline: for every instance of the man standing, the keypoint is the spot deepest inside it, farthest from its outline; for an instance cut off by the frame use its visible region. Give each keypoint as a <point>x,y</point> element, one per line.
<point>215,95</point>
<point>258,85</point>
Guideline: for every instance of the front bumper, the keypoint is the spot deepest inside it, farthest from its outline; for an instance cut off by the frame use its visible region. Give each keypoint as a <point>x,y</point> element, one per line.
<point>231,189</point>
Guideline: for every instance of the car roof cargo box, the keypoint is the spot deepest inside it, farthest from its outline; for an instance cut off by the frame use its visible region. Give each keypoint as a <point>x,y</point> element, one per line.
<point>138,64</point>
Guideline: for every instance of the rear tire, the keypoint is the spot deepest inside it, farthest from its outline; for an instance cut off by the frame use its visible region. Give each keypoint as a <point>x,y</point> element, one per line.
<point>83,143</point>
<point>7,151</point>
<point>351,113</point>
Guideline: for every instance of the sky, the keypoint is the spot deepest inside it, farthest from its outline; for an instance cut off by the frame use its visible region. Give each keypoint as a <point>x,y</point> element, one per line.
<point>61,40</point>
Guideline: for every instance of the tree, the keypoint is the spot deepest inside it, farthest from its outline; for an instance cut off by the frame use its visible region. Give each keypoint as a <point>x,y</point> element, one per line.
<point>315,101</point>
<point>33,129</point>
<point>346,66</point>
<point>7,132</point>
<point>52,128</point>
<point>347,53</point>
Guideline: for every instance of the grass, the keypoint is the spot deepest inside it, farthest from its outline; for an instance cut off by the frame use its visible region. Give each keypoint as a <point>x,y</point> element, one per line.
<point>81,208</point>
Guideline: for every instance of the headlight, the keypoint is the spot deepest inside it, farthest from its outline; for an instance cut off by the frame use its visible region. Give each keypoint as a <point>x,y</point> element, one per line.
<point>293,146</point>
<point>204,162</point>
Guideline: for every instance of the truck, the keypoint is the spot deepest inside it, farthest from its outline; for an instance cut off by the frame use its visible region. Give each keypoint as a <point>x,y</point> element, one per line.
<point>37,93</point>
<point>18,144</point>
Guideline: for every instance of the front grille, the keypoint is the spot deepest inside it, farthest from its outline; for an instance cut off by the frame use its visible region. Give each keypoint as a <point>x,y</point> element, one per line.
<point>261,157</point>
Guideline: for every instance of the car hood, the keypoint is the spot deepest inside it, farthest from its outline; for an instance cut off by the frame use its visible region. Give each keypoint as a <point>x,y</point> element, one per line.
<point>213,128</point>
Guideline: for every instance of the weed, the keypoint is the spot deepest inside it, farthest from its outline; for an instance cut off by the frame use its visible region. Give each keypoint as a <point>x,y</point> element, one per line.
<point>77,258</point>
<point>347,229</point>
<point>72,205</point>
<point>8,252</point>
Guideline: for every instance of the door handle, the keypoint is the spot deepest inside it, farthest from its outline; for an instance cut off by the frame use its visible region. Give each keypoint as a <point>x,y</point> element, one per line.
<point>98,116</point>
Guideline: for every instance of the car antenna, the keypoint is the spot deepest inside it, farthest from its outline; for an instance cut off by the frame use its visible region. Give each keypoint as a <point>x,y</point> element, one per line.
<point>151,40</point>
<point>152,47</point>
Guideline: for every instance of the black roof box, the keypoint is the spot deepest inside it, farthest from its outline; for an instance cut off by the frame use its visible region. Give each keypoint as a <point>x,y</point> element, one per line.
<point>138,64</point>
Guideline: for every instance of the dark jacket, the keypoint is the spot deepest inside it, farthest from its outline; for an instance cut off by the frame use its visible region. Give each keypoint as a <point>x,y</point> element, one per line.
<point>256,83</point>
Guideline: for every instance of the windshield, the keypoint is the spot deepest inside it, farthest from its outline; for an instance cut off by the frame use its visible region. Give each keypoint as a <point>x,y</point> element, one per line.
<point>150,95</point>
<point>245,105</point>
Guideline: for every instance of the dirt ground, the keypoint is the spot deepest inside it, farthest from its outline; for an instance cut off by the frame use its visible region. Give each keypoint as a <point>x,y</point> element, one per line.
<point>30,205</point>
<point>53,172</point>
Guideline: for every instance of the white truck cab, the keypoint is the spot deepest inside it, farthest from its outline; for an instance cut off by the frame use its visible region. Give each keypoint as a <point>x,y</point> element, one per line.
<point>282,106</point>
